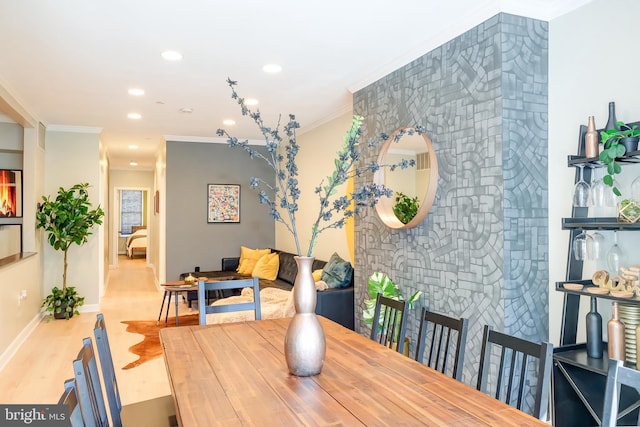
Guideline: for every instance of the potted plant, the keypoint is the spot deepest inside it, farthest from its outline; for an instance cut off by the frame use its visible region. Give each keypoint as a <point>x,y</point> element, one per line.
<point>616,143</point>
<point>67,219</point>
<point>380,283</point>
<point>405,208</point>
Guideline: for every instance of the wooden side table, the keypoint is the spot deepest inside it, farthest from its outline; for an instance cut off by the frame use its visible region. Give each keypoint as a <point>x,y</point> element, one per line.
<point>174,288</point>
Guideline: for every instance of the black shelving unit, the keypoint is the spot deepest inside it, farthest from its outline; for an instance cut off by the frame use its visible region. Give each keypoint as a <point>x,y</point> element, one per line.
<point>578,382</point>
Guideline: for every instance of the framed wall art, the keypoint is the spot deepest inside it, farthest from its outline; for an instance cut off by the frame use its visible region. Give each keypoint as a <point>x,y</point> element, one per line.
<point>223,203</point>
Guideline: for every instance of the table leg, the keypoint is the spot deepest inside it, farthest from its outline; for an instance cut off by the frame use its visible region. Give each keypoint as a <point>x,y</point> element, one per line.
<point>164,297</point>
<point>166,315</point>
<point>176,295</point>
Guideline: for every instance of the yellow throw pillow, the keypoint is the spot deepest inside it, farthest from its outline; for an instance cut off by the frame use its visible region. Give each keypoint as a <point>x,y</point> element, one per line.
<point>317,274</point>
<point>246,267</point>
<point>267,267</point>
<point>253,255</point>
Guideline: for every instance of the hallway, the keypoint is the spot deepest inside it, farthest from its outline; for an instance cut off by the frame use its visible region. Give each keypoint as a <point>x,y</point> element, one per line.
<point>37,371</point>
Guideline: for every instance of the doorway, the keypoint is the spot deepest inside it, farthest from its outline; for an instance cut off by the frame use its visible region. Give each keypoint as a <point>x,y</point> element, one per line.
<point>131,213</point>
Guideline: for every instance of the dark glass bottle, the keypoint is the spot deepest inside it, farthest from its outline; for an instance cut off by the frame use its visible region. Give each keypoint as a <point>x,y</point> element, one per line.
<point>611,123</point>
<point>594,331</point>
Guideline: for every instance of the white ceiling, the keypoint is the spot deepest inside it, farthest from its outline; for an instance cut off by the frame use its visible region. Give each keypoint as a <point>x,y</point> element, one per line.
<point>71,62</point>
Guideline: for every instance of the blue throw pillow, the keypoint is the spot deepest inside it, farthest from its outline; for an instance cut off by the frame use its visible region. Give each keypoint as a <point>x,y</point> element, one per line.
<point>337,273</point>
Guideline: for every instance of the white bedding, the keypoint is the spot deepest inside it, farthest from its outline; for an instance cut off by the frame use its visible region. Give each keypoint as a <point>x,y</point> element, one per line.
<point>137,242</point>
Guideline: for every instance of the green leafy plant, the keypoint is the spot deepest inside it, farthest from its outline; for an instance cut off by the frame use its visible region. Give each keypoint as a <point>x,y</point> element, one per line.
<point>611,139</point>
<point>67,219</point>
<point>380,283</point>
<point>406,207</point>
<point>63,302</point>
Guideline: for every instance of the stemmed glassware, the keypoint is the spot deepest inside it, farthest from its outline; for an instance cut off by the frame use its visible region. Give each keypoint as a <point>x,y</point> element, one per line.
<point>580,244</point>
<point>610,199</point>
<point>614,256</point>
<point>581,191</point>
<point>594,246</point>
<point>597,192</point>
<point>635,189</point>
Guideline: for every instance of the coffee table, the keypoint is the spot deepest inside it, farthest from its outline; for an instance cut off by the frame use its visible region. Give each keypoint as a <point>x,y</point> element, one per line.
<point>175,288</point>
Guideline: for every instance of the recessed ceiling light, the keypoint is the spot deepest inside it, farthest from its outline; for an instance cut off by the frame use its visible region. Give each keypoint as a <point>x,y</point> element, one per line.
<point>133,163</point>
<point>136,92</point>
<point>272,68</point>
<point>134,116</point>
<point>171,55</point>
<point>186,110</point>
<point>251,101</point>
<point>133,147</point>
<point>229,122</point>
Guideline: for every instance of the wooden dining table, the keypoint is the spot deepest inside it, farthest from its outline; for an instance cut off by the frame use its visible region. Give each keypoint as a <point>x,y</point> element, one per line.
<point>235,374</point>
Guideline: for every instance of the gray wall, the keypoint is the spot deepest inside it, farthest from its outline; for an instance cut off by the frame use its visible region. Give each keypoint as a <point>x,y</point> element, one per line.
<point>482,251</point>
<point>191,241</point>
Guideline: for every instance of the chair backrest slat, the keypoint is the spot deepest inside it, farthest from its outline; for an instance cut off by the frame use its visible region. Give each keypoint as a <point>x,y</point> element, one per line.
<point>205,309</point>
<point>446,331</point>
<point>617,375</point>
<point>89,388</point>
<point>108,370</point>
<point>389,322</point>
<point>70,398</point>
<point>523,352</point>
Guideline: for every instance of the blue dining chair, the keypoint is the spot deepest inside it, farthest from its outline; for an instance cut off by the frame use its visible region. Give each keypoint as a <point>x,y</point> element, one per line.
<point>618,375</point>
<point>157,412</point>
<point>70,398</point>
<point>204,287</point>
<point>88,385</point>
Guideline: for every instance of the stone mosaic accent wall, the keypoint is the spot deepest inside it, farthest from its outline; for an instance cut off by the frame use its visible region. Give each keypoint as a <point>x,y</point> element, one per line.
<point>481,252</point>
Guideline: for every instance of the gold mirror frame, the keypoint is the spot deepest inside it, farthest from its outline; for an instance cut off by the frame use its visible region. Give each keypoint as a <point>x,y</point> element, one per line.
<point>384,207</point>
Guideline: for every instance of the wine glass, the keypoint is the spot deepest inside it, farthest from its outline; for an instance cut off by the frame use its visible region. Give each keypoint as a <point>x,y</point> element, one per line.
<point>580,244</point>
<point>610,198</point>
<point>614,256</point>
<point>597,193</point>
<point>594,246</point>
<point>635,189</point>
<point>581,191</point>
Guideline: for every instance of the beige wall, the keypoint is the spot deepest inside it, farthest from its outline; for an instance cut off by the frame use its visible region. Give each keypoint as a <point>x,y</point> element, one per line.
<point>591,61</point>
<point>19,317</point>
<point>318,149</point>
<point>72,157</point>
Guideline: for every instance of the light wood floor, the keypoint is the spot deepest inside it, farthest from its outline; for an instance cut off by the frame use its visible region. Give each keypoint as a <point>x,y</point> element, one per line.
<point>35,375</point>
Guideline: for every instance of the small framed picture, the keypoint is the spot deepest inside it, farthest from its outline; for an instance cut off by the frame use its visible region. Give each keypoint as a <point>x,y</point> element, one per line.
<point>223,203</point>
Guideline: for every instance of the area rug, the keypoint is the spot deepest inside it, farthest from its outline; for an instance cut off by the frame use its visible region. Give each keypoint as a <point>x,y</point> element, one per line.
<point>149,348</point>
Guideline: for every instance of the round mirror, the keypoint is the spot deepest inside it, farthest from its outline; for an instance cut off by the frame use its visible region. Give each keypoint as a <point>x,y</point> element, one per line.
<point>414,188</point>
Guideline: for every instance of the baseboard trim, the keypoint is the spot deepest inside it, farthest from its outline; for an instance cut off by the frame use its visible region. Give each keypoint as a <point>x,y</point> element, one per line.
<point>89,308</point>
<point>22,337</point>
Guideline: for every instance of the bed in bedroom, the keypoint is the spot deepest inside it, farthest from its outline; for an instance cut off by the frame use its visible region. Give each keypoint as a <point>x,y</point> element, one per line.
<point>137,241</point>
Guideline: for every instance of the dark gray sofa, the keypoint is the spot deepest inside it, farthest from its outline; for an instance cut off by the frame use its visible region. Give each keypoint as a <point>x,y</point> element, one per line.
<point>336,304</point>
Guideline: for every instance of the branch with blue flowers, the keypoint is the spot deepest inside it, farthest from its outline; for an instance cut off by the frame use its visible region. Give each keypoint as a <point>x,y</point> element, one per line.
<point>334,210</point>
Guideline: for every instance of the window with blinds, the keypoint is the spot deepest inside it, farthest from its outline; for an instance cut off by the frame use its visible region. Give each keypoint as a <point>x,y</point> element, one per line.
<point>131,210</point>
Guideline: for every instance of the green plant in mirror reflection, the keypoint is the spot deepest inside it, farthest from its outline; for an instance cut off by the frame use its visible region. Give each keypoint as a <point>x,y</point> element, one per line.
<point>406,207</point>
